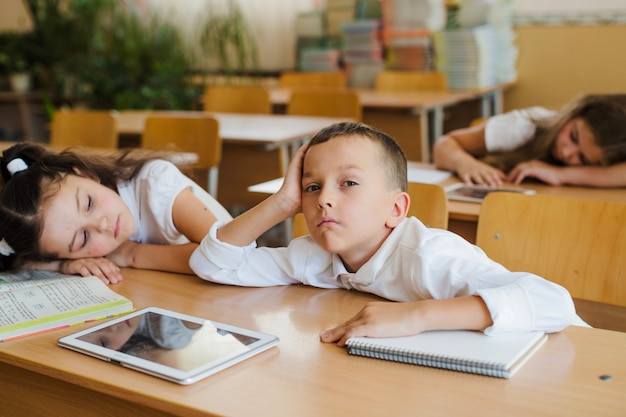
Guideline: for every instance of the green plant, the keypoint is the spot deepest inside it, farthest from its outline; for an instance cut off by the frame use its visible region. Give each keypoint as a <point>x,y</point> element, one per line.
<point>62,33</point>
<point>227,39</point>
<point>136,62</point>
<point>15,52</point>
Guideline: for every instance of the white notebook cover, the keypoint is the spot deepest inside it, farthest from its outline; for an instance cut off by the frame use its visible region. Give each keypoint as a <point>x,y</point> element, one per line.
<point>459,350</point>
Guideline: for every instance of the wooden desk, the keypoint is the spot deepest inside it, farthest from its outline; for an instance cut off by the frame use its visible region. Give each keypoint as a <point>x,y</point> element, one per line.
<point>243,135</point>
<point>463,216</point>
<point>418,105</point>
<point>302,376</point>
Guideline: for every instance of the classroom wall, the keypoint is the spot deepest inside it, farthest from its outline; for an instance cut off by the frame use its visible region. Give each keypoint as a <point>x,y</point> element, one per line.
<point>557,63</point>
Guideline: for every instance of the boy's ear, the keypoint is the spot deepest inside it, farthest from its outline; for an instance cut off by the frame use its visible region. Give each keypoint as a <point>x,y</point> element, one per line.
<point>399,210</point>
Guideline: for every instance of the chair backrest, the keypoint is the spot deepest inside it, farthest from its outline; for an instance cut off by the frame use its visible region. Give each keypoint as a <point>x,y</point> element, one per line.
<point>97,129</point>
<point>429,203</point>
<point>237,99</point>
<point>578,243</point>
<point>198,134</point>
<point>410,80</point>
<point>325,103</point>
<point>313,79</point>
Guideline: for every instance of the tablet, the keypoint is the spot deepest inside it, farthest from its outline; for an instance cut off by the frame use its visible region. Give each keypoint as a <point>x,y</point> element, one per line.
<point>170,345</point>
<point>476,193</point>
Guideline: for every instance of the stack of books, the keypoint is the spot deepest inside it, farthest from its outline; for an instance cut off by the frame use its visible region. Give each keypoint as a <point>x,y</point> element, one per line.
<point>467,56</point>
<point>407,25</point>
<point>314,49</point>
<point>362,51</point>
<point>319,59</point>
<point>339,12</point>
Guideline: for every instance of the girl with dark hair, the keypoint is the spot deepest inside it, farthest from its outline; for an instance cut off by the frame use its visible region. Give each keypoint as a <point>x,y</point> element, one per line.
<point>91,213</point>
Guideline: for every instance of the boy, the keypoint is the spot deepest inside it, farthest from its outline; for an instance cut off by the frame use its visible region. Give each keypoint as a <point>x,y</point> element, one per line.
<point>350,183</point>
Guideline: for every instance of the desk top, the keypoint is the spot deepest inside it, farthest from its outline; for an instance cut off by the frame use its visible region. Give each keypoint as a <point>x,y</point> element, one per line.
<point>304,377</point>
<point>415,100</point>
<point>263,129</point>
<point>468,211</point>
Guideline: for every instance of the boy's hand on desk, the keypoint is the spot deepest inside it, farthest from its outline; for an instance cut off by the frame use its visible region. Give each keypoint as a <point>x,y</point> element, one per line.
<point>377,319</point>
<point>103,268</point>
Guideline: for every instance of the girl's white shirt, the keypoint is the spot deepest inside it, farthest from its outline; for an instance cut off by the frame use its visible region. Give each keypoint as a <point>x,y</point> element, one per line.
<point>150,198</point>
<point>507,131</point>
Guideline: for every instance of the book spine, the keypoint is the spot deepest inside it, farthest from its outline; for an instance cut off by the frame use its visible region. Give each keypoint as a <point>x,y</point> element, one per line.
<point>460,365</point>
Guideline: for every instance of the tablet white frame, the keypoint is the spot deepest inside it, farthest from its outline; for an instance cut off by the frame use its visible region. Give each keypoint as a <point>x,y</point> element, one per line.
<point>72,341</point>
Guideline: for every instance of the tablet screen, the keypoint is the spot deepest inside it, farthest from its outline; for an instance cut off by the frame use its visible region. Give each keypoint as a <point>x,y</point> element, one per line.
<point>476,193</point>
<point>168,344</point>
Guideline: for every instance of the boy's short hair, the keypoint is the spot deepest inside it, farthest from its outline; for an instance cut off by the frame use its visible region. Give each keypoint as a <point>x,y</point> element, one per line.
<point>392,155</point>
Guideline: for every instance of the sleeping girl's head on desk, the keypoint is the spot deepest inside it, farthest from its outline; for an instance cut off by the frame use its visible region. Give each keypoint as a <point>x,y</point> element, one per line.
<point>571,146</point>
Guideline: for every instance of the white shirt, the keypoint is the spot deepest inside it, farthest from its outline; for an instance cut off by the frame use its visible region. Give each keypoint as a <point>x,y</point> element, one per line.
<point>150,198</point>
<point>507,131</point>
<point>414,263</point>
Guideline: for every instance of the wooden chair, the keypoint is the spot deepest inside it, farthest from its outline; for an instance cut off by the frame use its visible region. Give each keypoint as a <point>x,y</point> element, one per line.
<point>313,79</point>
<point>70,128</point>
<point>577,243</point>
<point>429,203</point>
<point>325,103</point>
<point>237,99</point>
<point>188,134</point>
<point>410,80</point>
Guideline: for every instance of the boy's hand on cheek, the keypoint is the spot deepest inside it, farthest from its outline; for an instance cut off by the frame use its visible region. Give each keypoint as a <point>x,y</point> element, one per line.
<point>377,319</point>
<point>103,268</point>
<point>290,193</point>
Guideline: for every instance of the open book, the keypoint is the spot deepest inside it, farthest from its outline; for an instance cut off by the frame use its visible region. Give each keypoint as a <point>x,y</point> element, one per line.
<point>36,301</point>
<point>458,350</point>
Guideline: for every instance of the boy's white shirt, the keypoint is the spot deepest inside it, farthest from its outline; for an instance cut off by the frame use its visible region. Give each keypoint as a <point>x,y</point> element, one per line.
<point>414,263</point>
<point>150,198</point>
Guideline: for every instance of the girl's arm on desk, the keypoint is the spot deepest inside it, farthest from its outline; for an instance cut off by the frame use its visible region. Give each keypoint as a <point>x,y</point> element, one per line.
<point>593,176</point>
<point>191,218</point>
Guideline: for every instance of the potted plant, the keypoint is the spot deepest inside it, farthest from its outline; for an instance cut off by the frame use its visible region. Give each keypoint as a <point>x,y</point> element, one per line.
<point>16,61</point>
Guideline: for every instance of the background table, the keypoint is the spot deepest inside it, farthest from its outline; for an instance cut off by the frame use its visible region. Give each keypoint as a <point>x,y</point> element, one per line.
<point>415,118</point>
<point>302,376</point>
<point>256,147</point>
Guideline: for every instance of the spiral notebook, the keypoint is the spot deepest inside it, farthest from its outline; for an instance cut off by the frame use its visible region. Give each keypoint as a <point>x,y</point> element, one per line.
<point>458,350</point>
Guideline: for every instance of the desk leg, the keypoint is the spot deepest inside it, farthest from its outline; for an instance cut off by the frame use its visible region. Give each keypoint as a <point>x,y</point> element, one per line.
<point>424,136</point>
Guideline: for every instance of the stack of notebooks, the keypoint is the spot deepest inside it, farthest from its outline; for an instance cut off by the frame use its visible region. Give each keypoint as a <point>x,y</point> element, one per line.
<point>457,350</point>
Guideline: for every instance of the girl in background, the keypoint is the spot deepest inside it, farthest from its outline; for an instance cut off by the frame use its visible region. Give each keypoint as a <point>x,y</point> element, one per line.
<point>582,144</point>
<point>90,213</point>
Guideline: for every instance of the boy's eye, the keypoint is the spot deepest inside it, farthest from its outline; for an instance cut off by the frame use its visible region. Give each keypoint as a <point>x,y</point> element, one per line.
<point>349,183</point>
<point>311,188</point>
<point>89,202</point>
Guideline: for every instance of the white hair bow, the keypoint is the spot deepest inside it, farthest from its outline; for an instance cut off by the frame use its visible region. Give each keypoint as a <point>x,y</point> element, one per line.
<point>5,248</point>
<point>16,165</point>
